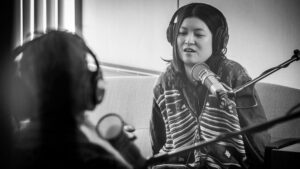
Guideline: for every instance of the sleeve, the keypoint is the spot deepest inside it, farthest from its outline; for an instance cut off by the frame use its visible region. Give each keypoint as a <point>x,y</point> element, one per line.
<point>251,113</point>
<point>157,127</point>
<point>95,156</point>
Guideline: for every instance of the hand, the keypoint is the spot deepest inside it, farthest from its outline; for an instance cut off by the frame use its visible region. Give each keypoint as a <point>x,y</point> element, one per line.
<point>129,129</point>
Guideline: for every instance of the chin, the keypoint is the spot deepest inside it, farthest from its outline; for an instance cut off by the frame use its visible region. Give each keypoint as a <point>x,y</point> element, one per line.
<point>189,64</point>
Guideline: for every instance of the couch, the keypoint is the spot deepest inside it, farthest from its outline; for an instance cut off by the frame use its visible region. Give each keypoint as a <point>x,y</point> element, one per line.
<point>131,97</point>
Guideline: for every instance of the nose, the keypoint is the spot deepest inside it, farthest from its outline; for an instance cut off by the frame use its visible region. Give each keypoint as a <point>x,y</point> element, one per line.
<point>190,39</point>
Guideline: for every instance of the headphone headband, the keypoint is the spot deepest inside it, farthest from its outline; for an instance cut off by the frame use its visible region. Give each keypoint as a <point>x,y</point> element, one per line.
<point>172,23</point>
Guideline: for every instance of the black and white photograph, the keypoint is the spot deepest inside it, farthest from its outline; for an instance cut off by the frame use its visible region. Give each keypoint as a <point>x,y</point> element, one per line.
<point>150,84</point>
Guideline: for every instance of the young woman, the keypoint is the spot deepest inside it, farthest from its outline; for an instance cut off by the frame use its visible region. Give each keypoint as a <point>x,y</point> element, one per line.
<point>185,112</point>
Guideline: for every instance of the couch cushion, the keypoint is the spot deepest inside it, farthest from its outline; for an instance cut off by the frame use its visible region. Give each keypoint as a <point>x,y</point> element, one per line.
<point>277,100</point>
<point>131,97</point>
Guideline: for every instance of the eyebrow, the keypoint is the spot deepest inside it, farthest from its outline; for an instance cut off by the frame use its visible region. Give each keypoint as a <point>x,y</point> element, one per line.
<point>197,29</point>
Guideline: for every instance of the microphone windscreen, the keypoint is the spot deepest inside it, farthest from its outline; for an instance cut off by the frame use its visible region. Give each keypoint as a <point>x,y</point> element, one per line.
<point>200,72</point>
<point>110,127</point>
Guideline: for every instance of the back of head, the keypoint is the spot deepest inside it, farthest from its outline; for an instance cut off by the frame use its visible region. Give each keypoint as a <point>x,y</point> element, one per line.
<point>56,69</point>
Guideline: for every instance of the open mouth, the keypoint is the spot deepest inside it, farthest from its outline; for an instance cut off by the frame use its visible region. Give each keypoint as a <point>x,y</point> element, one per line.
<point>190,50</point>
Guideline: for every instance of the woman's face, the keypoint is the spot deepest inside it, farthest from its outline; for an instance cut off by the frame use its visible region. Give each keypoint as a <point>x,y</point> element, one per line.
<point>194,41</point>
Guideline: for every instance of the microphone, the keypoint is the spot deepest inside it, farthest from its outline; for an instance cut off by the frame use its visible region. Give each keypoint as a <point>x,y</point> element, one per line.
<point>111,128</point>
<point>202,73</point>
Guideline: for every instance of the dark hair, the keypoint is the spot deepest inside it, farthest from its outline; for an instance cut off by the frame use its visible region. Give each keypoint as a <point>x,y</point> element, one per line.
<point>215,21</point>
<point>52,60</point>
<point>55,66</point>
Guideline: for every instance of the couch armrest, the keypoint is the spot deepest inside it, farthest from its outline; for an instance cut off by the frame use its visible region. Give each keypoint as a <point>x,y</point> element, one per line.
<point>277,145</point>
<point>282,143</point>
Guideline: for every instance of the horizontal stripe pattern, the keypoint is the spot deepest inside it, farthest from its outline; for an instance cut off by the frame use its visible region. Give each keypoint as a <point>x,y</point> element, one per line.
<point>214,122</point>
<point>181,125</point>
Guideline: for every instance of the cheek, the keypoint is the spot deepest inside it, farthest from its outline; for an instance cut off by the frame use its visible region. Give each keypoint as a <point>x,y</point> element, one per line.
<point>210,48</point>
<point>206,46</point>
<point>180,41</point>
<point>180,48</point>
<point>210,44</point>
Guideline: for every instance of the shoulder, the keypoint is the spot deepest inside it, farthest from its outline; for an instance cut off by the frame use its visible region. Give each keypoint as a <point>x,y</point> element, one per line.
<point>231,66</point>
<point>233,73</point>
<point>164,80</point>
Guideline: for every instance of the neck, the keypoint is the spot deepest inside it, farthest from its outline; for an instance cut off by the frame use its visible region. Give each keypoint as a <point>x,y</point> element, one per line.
<point>188,73</point>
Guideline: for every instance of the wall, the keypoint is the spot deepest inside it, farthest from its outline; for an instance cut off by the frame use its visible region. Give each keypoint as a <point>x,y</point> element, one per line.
<point>129,32</point>
<point>263,34</point>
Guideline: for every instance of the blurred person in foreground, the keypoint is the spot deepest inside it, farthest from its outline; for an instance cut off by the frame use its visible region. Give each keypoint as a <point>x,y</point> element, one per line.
<point>63,79</point>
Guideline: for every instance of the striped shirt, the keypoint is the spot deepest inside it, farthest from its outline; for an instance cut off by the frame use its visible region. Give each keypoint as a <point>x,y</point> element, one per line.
<point>183,126</point>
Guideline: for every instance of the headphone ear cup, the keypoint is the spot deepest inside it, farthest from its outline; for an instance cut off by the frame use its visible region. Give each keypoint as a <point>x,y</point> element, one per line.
<point>170,32</point>
<point>97,90</point>
<point>221,39</point>
<point>99,95</point>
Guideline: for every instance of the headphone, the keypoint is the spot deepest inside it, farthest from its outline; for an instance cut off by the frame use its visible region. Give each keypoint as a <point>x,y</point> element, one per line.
<point>221,35</point>
<point>172,24</point>
<point>96,93</point>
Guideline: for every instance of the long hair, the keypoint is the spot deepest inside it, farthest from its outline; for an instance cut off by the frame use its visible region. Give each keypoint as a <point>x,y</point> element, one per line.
<point>216,23</point>
<point>55,67</point>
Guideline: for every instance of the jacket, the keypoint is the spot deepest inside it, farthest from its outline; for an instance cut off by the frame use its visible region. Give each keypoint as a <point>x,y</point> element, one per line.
<point>187,115</point>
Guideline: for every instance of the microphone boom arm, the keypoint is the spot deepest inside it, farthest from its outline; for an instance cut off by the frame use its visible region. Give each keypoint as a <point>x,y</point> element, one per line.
<point>295,57</point>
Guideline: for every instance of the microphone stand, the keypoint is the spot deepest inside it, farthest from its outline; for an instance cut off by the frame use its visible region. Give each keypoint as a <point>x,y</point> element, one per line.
<point>264,126</point>
<point>295,57</point>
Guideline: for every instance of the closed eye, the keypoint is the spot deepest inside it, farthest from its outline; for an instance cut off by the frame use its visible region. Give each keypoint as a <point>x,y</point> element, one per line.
<point>182,33</point>
<point>199,35</point>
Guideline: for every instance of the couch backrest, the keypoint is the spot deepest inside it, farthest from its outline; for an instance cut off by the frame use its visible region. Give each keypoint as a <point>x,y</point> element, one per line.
<point>131,97</point>
<point>277,100</point>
